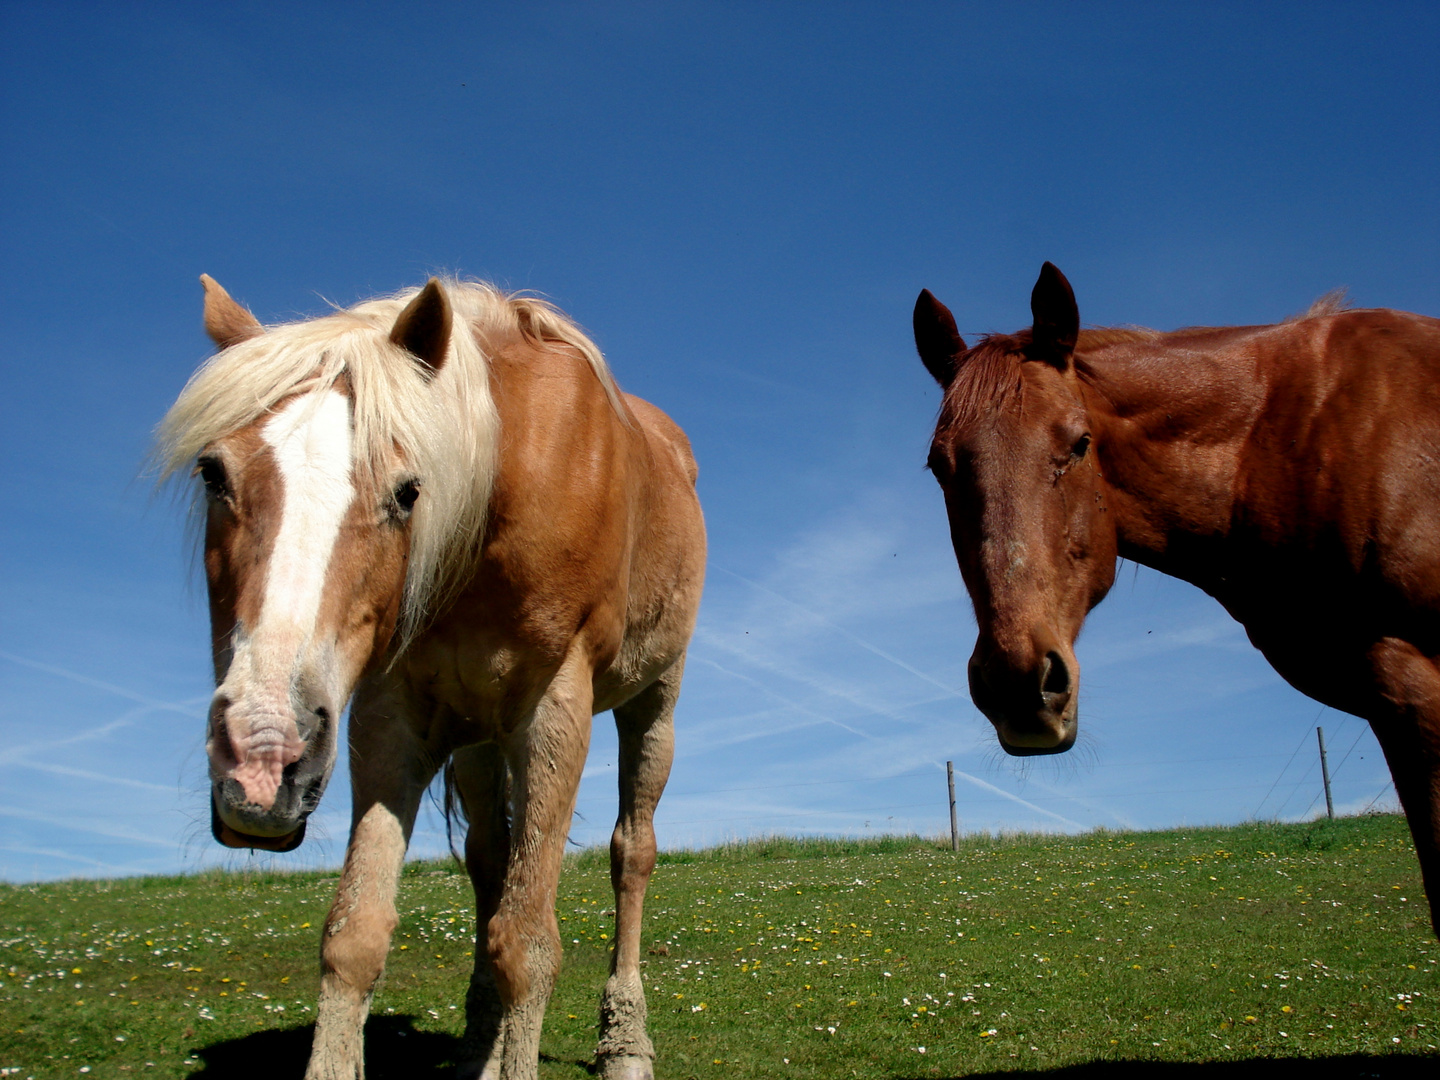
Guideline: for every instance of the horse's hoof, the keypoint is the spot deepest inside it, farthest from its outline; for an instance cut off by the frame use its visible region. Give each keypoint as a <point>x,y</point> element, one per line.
<point>624,1067</point>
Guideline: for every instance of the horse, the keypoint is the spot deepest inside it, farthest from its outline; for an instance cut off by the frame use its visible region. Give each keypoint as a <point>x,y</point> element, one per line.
<point>1291,471</point>
<point>439,507</point>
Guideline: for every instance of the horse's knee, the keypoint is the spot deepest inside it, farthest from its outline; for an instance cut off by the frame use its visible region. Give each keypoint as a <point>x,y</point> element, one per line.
<point>355,946</point>
<point>632,853</point>
<point>524,956</point>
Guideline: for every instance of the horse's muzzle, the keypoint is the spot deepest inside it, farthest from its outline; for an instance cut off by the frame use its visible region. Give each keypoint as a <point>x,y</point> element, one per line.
<point>1033,707</point>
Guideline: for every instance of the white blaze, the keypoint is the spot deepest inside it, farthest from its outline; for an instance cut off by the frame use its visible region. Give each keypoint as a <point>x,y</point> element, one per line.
<point>311,441</point>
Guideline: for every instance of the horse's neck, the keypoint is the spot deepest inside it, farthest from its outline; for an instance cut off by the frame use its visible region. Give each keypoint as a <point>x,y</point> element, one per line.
<point>1171,420</point>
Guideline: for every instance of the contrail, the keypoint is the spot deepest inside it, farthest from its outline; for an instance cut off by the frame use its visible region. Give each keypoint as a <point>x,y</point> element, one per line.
<point>65,856</point>
<point>86,680</point>
<point>1089,803</point>
<point>114,832</point>
<point>821,717</point>
<point>950,690</point>
<point>17,753</point>
<point>1016,798</point>
<point>85,774</point>
<point>868,708</point>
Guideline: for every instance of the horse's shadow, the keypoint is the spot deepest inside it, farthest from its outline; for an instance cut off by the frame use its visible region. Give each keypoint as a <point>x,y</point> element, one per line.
<point>394,1049</point>
<point>1348,1067</point>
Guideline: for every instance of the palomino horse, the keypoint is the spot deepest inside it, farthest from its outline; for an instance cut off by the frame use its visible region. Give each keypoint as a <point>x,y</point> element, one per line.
<point>440,503</point>
<point>1291,471</point>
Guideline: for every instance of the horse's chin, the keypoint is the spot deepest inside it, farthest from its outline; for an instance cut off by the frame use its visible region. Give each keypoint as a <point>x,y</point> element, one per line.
<point>234,838</point>
<point>1034,751</point>
<point>1054,737</point>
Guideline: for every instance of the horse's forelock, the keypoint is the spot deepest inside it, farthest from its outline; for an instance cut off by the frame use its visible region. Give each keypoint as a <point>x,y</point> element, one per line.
<point>986,377</point>
<point>446,428</point>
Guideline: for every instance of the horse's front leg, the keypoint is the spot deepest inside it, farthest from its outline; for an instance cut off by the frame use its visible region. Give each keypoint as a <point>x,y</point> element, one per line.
<point>1407,726</point>
<point>389,770</point>
<point>546,756</point>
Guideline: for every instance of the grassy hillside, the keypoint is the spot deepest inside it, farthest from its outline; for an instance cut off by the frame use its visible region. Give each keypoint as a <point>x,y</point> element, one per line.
<point>1104,954</point>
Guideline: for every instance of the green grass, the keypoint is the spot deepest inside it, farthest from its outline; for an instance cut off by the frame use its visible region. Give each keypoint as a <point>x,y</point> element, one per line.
<point>1094,954</point>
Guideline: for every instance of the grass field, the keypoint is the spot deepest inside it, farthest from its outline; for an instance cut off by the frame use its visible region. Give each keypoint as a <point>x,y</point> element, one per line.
<point>1110,954</point>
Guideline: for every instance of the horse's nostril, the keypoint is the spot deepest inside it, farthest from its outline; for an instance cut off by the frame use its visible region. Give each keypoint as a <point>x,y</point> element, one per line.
<point>310,722</point>
<point>1056,677</point>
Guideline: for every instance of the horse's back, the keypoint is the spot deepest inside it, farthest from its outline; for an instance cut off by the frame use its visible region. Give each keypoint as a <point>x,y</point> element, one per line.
<point>1379,351</point>
<point>667,560</point>
<point>1343,467</point>
<point>669,546</point>
<point>1356,396</point>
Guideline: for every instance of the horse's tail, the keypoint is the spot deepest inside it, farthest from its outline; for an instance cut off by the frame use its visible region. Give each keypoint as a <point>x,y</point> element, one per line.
<point>454,809</point>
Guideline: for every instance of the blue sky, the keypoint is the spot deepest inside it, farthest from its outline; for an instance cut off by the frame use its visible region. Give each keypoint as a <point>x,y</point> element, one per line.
<point>740,202</point>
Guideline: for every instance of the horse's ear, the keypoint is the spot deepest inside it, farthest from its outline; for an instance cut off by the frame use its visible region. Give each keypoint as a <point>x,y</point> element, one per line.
<point>423,328</point>
<point>226,322</point>
<point>936,338</point>
<point>1057,319</point>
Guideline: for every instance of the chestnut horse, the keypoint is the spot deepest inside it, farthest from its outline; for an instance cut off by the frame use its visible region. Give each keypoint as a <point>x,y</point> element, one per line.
<point>1291,471</point>
<point>439,505</point>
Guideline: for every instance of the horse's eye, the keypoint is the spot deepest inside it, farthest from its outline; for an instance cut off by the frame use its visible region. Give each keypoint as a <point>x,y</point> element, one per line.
<point>212,474</point>
<point>405,495</point>
<point>1082,445</point>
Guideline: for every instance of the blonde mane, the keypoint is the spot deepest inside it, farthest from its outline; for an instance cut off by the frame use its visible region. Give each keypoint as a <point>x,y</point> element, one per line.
<point>445,427</point>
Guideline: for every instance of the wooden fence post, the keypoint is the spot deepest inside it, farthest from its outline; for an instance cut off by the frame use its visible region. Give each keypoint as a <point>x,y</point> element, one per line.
<point>1325,774</point>
<point>954,825</point>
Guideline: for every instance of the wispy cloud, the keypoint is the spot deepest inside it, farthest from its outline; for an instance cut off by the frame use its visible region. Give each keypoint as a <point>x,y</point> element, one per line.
<point>808,706</point>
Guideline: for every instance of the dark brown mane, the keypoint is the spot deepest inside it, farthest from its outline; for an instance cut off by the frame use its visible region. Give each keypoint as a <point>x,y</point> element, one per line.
<point>989,374</point>
<point>1100,336</point>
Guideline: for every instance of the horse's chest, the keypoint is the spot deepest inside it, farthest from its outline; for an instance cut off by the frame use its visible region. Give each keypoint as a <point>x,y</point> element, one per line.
<point>477,693</point>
